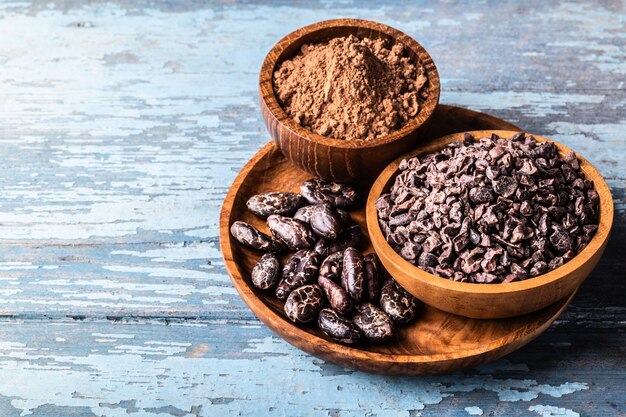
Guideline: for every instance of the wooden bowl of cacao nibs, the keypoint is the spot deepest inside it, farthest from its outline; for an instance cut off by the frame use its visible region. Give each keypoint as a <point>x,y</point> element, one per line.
<point>342,98</point>
<point>490,224</point>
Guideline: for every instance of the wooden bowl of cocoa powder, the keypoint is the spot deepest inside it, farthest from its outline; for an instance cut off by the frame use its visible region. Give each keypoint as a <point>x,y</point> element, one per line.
<point>499,299</point>
<point>349,141</point>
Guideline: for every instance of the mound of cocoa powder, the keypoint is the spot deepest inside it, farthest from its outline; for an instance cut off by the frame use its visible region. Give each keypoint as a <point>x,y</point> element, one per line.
<point>351,88</point>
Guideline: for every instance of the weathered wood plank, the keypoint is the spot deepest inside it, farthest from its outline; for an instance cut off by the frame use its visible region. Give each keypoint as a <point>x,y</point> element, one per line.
<point>122,124</point>
<point>210,368</point>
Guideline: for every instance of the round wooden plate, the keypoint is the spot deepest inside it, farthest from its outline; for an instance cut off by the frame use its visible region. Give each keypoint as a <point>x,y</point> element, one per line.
<point>437,342</point>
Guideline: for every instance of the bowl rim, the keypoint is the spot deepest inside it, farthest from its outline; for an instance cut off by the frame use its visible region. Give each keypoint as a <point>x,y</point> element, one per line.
<point>269,98</point>
<point>596,244</point>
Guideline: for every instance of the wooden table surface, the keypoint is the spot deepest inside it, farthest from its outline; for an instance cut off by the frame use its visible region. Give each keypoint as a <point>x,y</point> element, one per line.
<point>122,126</point>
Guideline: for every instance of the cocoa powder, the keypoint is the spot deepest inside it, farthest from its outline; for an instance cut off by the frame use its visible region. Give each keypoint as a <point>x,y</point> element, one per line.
<point>351,88</point>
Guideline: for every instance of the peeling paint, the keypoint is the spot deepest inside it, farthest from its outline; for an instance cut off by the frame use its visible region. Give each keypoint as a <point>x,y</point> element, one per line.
<point>549,411</point>
<point>138,363</point>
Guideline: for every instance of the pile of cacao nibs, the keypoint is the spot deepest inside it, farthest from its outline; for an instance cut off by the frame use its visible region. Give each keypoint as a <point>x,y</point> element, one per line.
<point>490,210</point>
<point>327,279</point>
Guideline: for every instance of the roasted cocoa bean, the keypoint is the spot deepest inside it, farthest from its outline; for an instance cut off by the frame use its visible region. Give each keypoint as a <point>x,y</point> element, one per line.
<point>350,237</point>
<point>287,285</point>
<point>292,263</point>
<point>317,190</point>
<point>326,221</point>
<point>266,272</point>
<point>332,266</point>
<point>304,303</point>
<point>294,234</point>
<point>337,297</point>
<point>266,204</point>
<point>250,236</point>
<point>399,305</point>
<point>338,327</point>
<point>374,324</point>
<point>352,274</point>
<point>371,285</point>
<point>304,214</point>
<point>305,272</point>
<point>309,265</point>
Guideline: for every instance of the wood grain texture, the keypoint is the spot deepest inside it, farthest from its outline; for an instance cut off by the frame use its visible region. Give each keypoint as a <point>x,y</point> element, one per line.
<point>437,342</point>
<point>122,125</point>
<point>499,300</point>
<point>342,160</point>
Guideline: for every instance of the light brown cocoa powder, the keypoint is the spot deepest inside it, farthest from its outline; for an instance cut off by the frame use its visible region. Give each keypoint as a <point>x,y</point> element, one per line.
<point>351,88</point>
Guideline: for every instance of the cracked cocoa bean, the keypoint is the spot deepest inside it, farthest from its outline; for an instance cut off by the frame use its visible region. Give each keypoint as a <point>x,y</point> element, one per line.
<point>266,204</point>
<point>305,272</point>
<point>332,266</point>
<point>374,324</point>
<point>337,297</point>
<point>294,234</point>
<point>304,303</point>
<point>352,274</point>
<point>317,190</point>
<point>304,214</point>
<point>250,236</point>
<point>345,216</point>
<point>266,272</point>
<point>326,221</point>
<point>371,265</point>
<point>399,305</point>
<point>350,237</point>
<point>345,277</point>
<point>292,263</point>
<point>338,327</point>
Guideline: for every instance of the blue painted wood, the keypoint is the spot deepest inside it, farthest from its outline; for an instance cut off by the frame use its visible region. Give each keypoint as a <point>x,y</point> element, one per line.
<point>122,126</point>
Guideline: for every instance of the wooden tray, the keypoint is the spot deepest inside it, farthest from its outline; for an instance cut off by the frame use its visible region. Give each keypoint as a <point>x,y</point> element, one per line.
<point>437,342</point>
